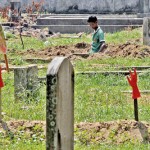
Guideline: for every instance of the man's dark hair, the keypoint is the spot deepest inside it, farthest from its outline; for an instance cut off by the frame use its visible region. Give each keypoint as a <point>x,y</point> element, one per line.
<point>92,19</point>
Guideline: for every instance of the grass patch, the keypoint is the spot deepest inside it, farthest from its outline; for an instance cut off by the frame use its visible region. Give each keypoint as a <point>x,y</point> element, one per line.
<point>22,145</point>
<point>125,146</point>
<point>100,98</point>
<point>36,44</point>
<point>109,63</point>
<point>32,108</point>
<point>124,36</point>
<point>100,92</point>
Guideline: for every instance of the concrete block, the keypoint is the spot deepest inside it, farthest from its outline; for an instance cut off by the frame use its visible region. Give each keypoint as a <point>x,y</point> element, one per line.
<point>25,81</point>
<point>84,28</point>
<point>83,21</point>
<point>20,83</point>
<point>32,78</point>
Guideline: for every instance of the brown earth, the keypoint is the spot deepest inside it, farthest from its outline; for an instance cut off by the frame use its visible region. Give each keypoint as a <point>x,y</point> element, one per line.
<point>108,132</point>
<point>129,49</point>
<point>114,132</point>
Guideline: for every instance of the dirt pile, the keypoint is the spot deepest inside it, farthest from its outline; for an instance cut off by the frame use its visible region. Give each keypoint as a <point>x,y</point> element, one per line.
<point>81,45</point>
<point>116,132</point>
<point>129,49</point>
<point>55,51</point>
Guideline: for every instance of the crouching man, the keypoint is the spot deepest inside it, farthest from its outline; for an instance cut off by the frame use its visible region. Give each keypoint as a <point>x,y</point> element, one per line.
<point>98,40</point>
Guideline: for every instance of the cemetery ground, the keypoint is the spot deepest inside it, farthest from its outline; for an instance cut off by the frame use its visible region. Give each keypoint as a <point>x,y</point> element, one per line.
<point>104,115</point>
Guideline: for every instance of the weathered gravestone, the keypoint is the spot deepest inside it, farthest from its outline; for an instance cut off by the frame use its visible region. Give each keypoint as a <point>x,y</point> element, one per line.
<point>146,31</point>
<point>20,82</point>
<point>60,105</point>
<point>32,79</point>
<point>25,81</point>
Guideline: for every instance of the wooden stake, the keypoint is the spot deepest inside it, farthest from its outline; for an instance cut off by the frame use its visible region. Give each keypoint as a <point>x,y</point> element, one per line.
<point>136,110</point>
<point>6,62</point>
<point>0,105</point>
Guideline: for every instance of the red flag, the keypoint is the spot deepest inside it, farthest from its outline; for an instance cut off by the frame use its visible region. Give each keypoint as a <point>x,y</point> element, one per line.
<point>3,47</point>
<point>133,83</point>
<point>1,81</point>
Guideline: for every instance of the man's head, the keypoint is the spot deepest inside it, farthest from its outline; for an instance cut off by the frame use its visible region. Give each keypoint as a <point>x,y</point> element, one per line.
<point>93,22</point>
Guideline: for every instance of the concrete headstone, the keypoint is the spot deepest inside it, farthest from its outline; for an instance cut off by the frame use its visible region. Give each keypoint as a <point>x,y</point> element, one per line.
<point>60,105</point>
<point>146,31</point>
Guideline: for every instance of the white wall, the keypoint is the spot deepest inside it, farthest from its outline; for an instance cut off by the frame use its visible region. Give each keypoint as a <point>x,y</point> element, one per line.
<point>93,6</point>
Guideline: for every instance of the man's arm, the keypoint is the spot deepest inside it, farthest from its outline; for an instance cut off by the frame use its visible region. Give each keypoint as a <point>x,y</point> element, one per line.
<point>103,46</point>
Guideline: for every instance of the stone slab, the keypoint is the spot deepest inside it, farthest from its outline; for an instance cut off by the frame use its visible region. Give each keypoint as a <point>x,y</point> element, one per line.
<point>84,28</point>
<point>83,21</point>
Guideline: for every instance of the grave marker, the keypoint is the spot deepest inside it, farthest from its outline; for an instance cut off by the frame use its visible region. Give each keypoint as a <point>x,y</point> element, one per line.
<point>25,80</point>
<point>146,31</point>
<point>60,105</point>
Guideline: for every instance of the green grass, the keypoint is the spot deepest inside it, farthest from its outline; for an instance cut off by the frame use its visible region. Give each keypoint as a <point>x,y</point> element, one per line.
<point>29,43</point>
<point>91,104</point>
<point>89,91</point>
<point>124,36</point>
<point>105,96</point>
<point>22,145</point>
<point>109,64</point>
<point>125,146</point>
<point>29,109</point>
<point>28,145</point>
<point>36,44</point>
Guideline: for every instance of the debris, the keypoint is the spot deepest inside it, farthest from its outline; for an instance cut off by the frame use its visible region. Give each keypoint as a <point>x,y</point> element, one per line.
<point>81,45</point>
<point>79,35</point>
<point>46,43</point>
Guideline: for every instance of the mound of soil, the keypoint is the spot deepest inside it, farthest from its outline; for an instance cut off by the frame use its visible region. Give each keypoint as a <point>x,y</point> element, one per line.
<point>22,125</point>
<point>81,45</point>
<point>116,132</point>
<point>129,49</point>
<point>55,51</point>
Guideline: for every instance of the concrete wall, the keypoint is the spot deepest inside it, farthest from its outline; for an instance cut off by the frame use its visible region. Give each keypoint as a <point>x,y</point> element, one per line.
<point>3,3</point>
<point>93,6</point>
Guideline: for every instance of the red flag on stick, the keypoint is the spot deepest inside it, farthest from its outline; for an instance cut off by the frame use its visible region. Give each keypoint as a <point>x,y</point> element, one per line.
<point>132,79</point>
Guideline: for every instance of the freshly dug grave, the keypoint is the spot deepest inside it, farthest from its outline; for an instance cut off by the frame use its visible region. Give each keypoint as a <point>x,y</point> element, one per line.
<point>129,49</point>
<point>116,132</point>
